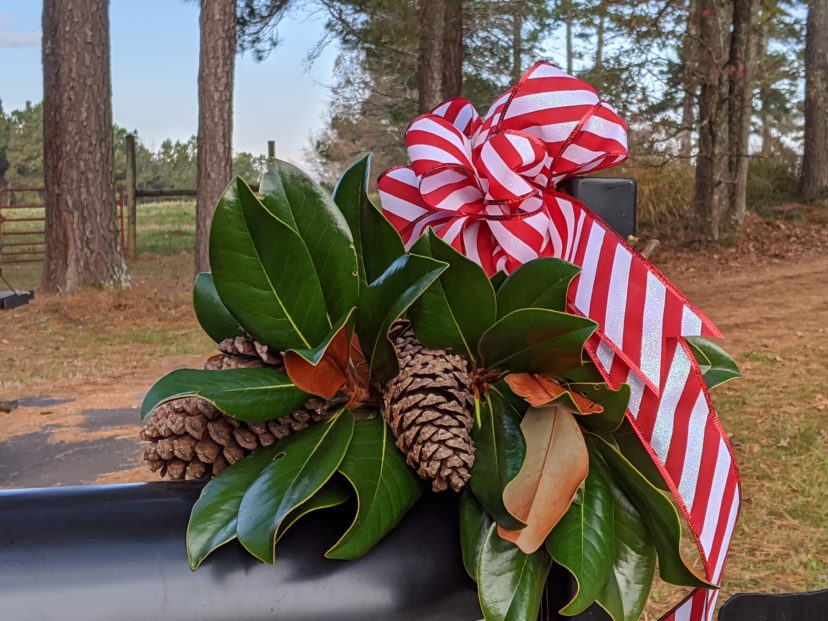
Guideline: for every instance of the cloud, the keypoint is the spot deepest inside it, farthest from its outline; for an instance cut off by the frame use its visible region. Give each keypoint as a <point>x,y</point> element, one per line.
<point>18,39</point>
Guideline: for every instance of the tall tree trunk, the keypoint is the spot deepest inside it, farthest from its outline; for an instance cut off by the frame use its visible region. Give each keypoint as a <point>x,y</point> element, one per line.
<point>814,182</point>
<point>599,36</point>
<point>517,45</point>
<point>82,242</point>
<point>740,104</point>
<point>214,145</point>
<point>712,163</point>
<point>452,79</point>
<point>690,79</point>
<point>764,88</point>
<point>569,18</point>
<point>429,63</point>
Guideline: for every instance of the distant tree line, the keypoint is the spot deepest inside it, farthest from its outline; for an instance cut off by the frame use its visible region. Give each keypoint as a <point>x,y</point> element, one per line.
<point>172,165</point>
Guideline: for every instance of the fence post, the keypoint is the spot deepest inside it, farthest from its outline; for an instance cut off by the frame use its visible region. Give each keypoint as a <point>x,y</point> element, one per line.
<point>271,149</point>
<point>132,212</point>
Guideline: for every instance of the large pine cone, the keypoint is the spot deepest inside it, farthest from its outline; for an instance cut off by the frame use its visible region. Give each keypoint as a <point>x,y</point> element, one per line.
<point>190,438</point>
<point>429,408</point>
<point>243,353</point>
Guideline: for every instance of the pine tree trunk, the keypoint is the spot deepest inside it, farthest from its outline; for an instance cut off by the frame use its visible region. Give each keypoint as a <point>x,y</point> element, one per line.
<point>764,90</point>
<point>599,36</point>
<point>217,24</point>
<point>429,65</point>
<point>452,78</point>
<point>814,182</point>
<point>517,46</point>
<point>82,242</point>
<point>690,80</point>
<point>740,104</point>
<point>712,162</point>
<point>569,52</point>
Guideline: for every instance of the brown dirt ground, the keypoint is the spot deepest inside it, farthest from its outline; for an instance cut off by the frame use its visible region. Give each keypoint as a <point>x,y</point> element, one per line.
<point>767,290</point>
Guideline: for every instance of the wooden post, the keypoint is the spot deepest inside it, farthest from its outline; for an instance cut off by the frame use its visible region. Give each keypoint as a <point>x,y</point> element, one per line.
<point>271,149</point>
<point>132,211</point>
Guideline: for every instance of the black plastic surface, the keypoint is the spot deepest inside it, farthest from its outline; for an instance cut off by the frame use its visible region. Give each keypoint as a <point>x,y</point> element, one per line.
<point>783,607</point>
<point>113,553</point>
<point>611,199</point>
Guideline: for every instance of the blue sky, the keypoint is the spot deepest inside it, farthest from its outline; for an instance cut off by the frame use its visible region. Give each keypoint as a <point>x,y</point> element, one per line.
<point>154,46</point>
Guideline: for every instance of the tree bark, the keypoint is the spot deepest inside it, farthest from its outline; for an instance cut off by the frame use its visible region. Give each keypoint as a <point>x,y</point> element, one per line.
<point>82,242</point>
<point>814,181</point>
<point>429,65</point>
<point>740,104</point>
<point>214,144</point>
<point>517,46</point>
<point>569,52</point>
<point>764,89</point>
<point>452,70</point>
<point>599,36</point>
<point>712,162</point>
<point>690,80</point>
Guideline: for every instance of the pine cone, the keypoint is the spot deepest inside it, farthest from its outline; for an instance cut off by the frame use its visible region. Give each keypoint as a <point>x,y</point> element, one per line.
<point>243,353</point>
<point>428,406</point>
<point>190,438</point>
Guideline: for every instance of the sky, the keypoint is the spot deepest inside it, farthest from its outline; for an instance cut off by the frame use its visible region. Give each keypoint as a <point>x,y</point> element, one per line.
<point>154,56</point>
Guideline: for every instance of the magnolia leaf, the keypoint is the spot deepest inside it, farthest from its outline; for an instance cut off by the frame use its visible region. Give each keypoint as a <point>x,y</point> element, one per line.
<point>475,524</point>
<point>322,371</point>
<point>583,542</point>
<point>384,301</point>
<point>556,464</point>
<point>334,493</point>
<point>307,461</point>
<point>385,486</point>
<point>510,582</point>
<point>499,453</point>
<point>625,592</point>
<point>296,199</point>
<point>613,402</point>
<point>627,441</point>
<point>721,367</point>
<point>245,394</point>
<point>497,279</point>
<point>535,340</point>
<point>459,307</point>
<point>541,283</point>
<point>211,312</point>
<point>264,274</point>
<point>377,242</point>
<point>213,518</point>
<point>540,391</point>
<point>658,512</point>
<point>586,373</point>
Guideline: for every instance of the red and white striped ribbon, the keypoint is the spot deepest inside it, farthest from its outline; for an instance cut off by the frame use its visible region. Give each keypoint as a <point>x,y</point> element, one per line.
<point>489,186</point>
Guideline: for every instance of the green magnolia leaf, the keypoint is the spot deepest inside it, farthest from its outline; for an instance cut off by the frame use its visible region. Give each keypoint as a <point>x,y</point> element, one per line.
<point>308,460</point>
<point>459,307</point>
<point>541,283</point>
<point>628,442</point>
<point>334,493</point>
<point>586,373</point>
<point>264,274</point>
<point>314,354</point>
<point>625,592</point>
<point>475,523</point>
<point>211,312</point>
<point>213,518</point>
<point>721,367</point>
<point>509,582</point>
<point>614,402</point>
<point>535,340</point>
<point>294,198</point>
<point>584,542</point>
<point>377,242</point>
<point>386,488</point>
<point>497,279</point>
<point>246,394</point>
<point>384,301</point>
<point>657,511</point>
<point>499,453</point>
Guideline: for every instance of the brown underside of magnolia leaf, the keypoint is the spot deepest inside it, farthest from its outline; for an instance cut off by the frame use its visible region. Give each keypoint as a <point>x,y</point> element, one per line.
<point>556,464</point>
<point>538,391</point>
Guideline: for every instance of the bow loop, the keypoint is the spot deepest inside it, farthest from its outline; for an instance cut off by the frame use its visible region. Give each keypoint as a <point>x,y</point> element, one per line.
<point>514,165</point>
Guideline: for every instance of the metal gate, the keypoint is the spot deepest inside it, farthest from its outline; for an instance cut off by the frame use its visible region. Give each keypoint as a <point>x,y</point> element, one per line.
<point>23,225</point>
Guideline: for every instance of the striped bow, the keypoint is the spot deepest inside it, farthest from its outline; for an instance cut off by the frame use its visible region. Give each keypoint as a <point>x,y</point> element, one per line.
<point>489,188</point>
